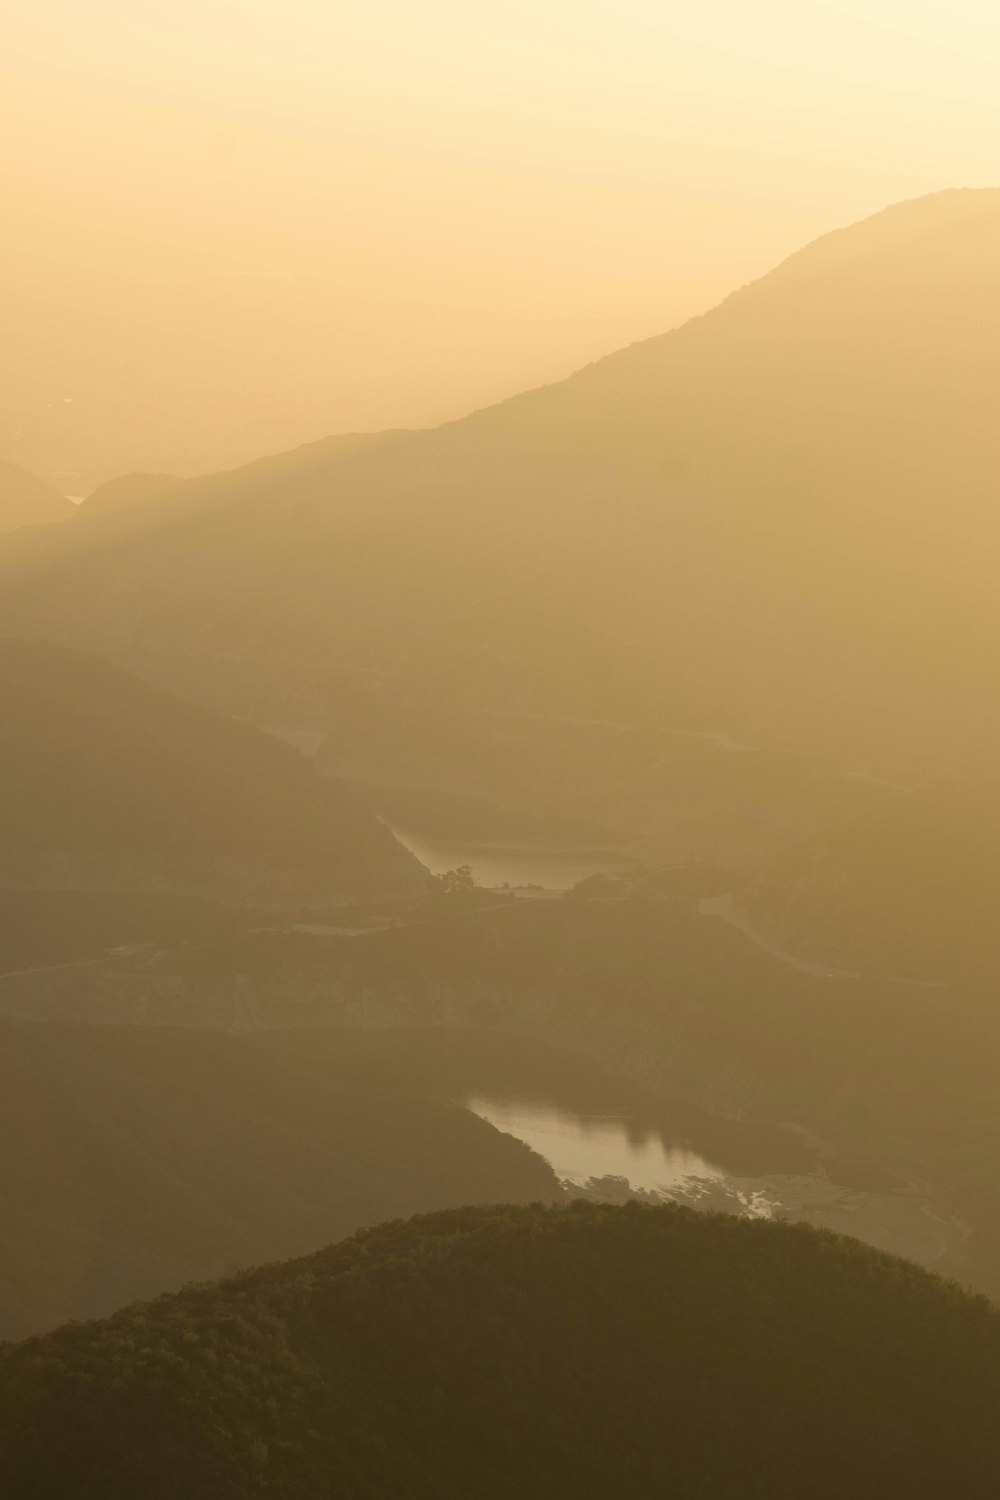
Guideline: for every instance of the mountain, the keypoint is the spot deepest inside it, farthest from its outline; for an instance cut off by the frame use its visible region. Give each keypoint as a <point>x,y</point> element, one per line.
<point>27,501</point>
<point>134,1161</point>
<point>128,490</point>
<point>892,1082</point>
<point>108,783</point>
<point>42,928</point>
<point>906,890</point>
<point>135,504</point>
<point>532,1352</point>
<point>726,568</point>
<point>165,498</point>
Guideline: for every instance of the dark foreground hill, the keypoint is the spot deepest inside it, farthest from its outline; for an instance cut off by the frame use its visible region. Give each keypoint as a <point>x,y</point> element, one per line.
<point>482,1354</point>
<point>108,783</point>
<point>133,1161</point>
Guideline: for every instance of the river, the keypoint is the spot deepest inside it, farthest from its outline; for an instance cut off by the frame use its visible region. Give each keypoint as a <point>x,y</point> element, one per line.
<point>579,1146</point>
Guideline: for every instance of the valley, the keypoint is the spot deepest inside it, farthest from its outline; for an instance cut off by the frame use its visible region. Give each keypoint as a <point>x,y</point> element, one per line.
<point>697,1046</point>
<point>499,943</point>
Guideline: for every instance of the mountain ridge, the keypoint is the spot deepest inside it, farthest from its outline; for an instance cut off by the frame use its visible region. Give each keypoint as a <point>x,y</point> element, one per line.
<point>109,783</point>
<point>525,1351</point>
<point>737,527</point>
<point>134,1162</point>
<point>26,500</point>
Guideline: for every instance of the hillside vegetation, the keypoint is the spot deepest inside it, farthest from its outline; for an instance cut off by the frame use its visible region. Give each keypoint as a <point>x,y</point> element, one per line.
<point>134,1160</point>
<point>485,1353</point>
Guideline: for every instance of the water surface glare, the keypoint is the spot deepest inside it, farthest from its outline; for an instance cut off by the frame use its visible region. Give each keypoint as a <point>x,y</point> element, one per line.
<point>581,1146</point>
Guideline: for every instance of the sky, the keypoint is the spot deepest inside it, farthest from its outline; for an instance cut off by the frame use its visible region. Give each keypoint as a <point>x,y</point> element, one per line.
<point>233,227</point>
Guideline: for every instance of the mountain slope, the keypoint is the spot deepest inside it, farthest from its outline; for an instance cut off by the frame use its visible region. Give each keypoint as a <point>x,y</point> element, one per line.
<point>135,504</point>
<point>132,1162</point>
<point>775,523</point>
<point>493,1352</point>
<point>27,501</point>
<point>907,890</point>
<point>898,1078</point>
<point>129,490</point>
<point>108,783</point>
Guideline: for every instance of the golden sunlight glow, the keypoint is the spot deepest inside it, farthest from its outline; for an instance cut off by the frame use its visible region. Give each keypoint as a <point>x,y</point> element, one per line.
<point>334,216</point>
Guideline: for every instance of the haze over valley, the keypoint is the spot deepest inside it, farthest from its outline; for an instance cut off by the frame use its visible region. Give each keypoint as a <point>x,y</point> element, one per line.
<point>499,723</point>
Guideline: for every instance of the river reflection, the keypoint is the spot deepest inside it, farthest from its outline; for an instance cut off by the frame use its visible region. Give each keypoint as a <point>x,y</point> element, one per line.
<point>580,1146</point>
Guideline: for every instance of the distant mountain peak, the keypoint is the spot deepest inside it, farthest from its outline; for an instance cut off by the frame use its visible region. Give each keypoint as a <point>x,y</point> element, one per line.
<point>26,500</point>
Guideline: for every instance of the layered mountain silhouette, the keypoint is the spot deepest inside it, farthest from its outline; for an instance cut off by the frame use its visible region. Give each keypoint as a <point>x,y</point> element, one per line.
<point>135,1160</point>
<point>28,501</point>
<point>726,598</point>
<point>108,783</point>
<point>532,1352</point>
<point>136,504</point>
<point>774,525</point>
<point>129,490</point>
<point>890,1073</point>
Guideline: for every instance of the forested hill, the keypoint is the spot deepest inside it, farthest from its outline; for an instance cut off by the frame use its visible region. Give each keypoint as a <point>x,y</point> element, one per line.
<point>486,1353</point>
<point>108,783</point>
<point>134,1160</point>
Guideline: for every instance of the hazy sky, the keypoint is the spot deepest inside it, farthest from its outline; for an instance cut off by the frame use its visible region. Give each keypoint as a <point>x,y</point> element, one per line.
<point>230,227</point>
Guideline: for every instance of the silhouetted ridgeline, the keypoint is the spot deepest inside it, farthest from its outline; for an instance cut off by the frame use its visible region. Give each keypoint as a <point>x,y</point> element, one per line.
<point>134,1160</point>
<point>127,492</point>
<point>897,1076</point>
<point>726,597</point>
<point>133,504</point>
<point>27,501</point>
<point>108,783</point>
<point>772,529</point>
<point>529,1352</point>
